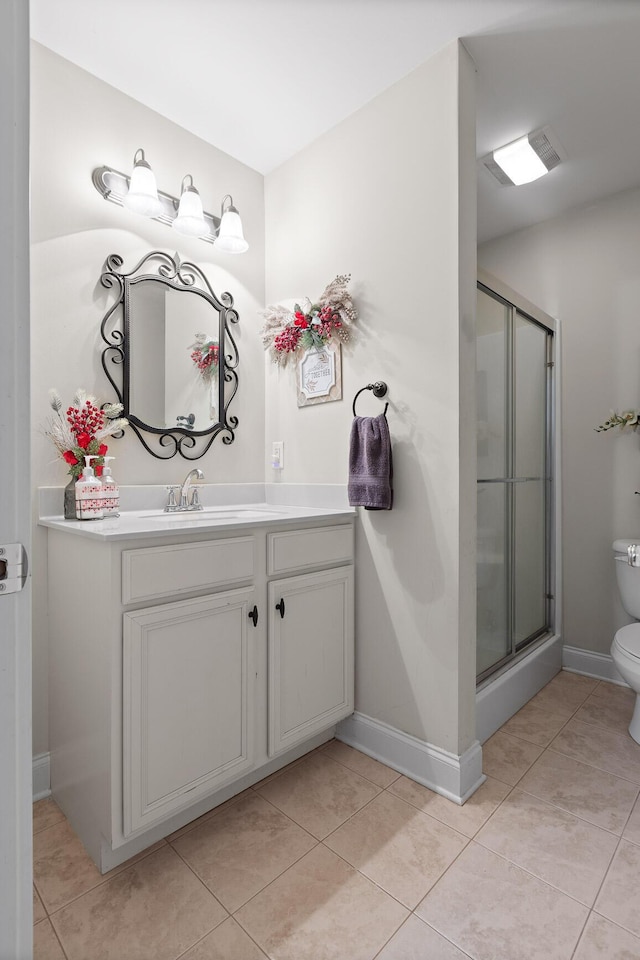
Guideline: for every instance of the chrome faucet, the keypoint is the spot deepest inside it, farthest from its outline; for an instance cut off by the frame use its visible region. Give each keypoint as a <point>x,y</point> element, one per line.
<point>185,503</point>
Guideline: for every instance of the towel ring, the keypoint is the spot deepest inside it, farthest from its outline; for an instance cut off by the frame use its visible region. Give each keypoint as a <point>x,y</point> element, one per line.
<point>379,390</point>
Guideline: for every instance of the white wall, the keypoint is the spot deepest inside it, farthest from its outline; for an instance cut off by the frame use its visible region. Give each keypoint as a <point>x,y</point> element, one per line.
<point>583,269</point>
<point>389,195</point>
<point>79,123</point>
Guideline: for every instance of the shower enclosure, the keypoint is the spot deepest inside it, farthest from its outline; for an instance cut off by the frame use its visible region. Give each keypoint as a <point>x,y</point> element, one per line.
<point>514,369</point>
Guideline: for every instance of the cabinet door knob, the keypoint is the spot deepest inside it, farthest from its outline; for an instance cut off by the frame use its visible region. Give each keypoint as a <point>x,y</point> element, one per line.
<point>253,615</point>
<point>280,607</point>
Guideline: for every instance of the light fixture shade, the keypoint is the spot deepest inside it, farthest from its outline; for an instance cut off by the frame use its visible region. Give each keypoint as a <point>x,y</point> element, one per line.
<point>142,196</point>
<point>520,161</point>
<point>230,236</point>
<point>190,220</point>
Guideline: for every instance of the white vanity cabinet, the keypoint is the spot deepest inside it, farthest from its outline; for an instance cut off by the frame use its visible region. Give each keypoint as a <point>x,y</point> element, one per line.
<point>311,636</point>
<point>187,702</point>
<point>174,681</point>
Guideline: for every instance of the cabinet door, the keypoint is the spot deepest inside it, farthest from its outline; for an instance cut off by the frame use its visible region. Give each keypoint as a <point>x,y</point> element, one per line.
<point>187,702</point>
<point>310,655</point>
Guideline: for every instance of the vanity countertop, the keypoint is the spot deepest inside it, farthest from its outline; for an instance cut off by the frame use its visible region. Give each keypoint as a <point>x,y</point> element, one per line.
<point>148,524</point>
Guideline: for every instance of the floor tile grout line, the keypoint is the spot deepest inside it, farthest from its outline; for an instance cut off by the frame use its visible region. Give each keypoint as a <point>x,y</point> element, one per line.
<point>602,726</point>
<point>306,829</point>
<point>444,822</point>
<point>232,913</point>
<point>44,906</point>
<point>581,934</point>
<point>282,872</point>
<point>592,766</point>
<point>268,955</point>
<point>402,800</point>
<point>297,860</point>
<point>388,941</point>
<point>36,833</point>
<point>57,936</point>
<point>143,855</point>
<point>213,929</point>
<point>547,883</point>
<point>626,737</point>
<point>201,881</point>
<point>351,816</point>
<point>205,817</point>
<point>615,923</point>
<point>479,842</point>
<point>346,765</point>
<point>606,873</point>
<point>571,813</point>
<point>382,889</point>
<point>285,769</point>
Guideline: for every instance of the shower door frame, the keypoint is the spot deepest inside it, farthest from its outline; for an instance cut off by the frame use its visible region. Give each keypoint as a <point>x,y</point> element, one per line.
<point>519,305</point>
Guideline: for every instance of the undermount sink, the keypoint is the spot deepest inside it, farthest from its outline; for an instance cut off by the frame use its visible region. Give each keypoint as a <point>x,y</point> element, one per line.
<point>207,514</point>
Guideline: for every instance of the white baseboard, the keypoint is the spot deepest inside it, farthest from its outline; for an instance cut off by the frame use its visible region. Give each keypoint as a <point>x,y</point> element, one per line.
<point>41,777</point>
<point>503,695</point>
<point>455,777</point>
<point>591,664</point>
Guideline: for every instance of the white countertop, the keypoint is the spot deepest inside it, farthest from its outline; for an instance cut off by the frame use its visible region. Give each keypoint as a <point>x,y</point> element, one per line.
<point>148,524</point>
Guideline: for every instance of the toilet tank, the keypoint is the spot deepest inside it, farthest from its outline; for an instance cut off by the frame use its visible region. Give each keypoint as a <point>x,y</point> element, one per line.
<point>628,576</point>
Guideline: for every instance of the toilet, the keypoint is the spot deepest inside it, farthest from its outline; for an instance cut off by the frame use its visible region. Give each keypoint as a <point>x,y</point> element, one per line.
<point>625,648</point>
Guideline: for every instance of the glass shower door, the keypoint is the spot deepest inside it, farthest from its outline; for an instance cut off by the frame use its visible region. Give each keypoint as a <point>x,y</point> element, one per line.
<point>513,481</point>
<point>493,640</point>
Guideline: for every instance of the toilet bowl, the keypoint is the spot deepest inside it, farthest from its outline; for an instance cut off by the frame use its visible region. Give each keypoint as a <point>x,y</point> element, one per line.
<point>625,649</point>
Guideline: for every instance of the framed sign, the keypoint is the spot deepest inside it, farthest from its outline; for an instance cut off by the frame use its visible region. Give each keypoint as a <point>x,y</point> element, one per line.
<point>319,372</point>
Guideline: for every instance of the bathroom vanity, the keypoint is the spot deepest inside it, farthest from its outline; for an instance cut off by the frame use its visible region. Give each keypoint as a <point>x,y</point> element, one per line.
<point>189,658</point>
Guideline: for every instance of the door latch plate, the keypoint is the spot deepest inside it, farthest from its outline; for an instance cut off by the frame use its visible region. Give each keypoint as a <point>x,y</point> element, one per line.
<point>13,567</point>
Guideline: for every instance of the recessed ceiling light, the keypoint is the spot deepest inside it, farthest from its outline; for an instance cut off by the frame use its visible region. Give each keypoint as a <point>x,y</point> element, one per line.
<point>525,159</point>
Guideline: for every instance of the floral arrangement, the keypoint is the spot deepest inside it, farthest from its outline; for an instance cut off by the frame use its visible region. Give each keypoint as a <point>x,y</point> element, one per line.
<point>310,325</point>
<point>629,418</point>
<point>206,356</point>
<point>82,429</point>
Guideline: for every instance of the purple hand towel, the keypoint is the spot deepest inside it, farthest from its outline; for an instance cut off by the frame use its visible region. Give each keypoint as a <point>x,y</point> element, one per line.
<point>370,466</point>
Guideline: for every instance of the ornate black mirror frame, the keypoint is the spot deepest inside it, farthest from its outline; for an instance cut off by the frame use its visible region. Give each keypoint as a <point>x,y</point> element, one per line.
<point>115,331</point>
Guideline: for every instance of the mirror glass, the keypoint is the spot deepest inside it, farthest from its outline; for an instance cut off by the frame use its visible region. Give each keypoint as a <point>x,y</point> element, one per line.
<point>169,337</point>
<point>167,388</point>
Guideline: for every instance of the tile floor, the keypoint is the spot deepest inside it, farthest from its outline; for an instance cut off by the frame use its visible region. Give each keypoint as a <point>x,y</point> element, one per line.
<point>338,857</point>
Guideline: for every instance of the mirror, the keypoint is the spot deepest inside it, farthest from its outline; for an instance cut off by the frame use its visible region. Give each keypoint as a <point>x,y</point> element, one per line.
<point>169,335</point>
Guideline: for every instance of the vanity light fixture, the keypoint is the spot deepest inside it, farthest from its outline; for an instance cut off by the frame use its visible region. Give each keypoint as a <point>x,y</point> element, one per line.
<point>190,220</point>
<point>139,193</point>
<point>230,236</point>
<point>142,195</point>
<point>525,159</point>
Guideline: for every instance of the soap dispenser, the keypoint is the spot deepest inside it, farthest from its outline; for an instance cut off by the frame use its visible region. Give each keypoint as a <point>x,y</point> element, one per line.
<point>110,491</point>
<point>89,494</point>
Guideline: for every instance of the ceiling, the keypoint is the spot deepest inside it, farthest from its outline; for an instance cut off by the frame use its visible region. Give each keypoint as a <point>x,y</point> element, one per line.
<point>260,79</point>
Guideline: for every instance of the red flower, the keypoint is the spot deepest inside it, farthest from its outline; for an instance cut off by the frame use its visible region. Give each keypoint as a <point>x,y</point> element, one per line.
<point>102,449</point>
<point>70,457</point>
<point>301,321</point>
<point>84,440</point>
<point>98,469</point>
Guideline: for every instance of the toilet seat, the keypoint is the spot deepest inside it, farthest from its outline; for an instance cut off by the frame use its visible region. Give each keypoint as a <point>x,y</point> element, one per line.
<point>628,640</point>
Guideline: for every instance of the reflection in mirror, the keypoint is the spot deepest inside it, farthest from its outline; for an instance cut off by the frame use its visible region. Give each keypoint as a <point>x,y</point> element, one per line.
<point>167,388</point>
<point>169,333</point>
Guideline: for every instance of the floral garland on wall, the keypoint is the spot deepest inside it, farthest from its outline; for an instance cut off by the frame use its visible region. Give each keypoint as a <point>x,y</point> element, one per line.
<point>309,325</point>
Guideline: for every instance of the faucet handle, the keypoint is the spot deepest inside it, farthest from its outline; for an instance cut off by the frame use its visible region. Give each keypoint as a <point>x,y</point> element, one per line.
<point>171,499</point>
<point>195,499</point>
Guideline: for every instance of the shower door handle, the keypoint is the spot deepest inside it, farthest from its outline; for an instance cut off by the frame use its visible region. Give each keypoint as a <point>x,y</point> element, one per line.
<point>513,480</point>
